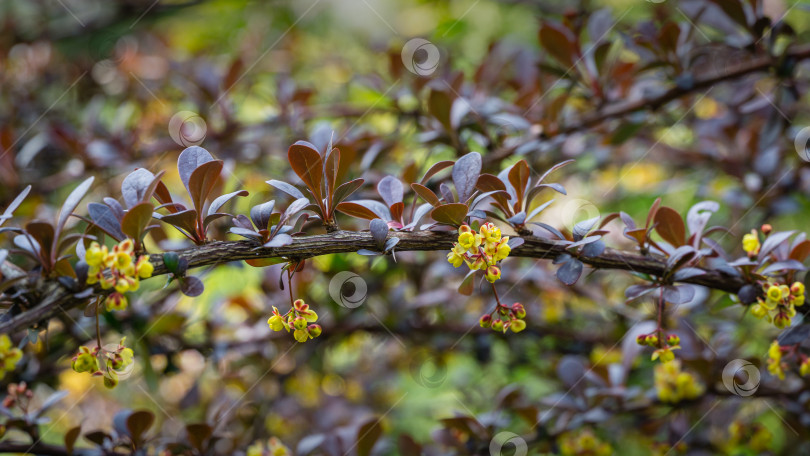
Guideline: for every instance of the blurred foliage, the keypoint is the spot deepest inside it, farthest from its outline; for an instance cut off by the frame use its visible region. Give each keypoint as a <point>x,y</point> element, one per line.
<point>97,88</point>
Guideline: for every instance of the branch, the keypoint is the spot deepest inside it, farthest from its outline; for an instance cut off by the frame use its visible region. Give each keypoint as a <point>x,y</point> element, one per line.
<point>54,298</point>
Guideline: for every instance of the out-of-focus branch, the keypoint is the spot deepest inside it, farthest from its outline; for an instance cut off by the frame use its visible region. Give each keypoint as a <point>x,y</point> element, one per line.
<point>700,82</point>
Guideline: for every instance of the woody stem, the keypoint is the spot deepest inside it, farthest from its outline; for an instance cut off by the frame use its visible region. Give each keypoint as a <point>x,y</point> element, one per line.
<point>98,325</point>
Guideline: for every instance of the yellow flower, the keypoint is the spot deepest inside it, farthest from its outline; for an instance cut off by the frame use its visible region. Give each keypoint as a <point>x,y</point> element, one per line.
<point>665,354</point>
<point>490,232</point>
<point>774,293</point>
<point>276,323</point>
<point>9,355</point>
<point>469,240</point>
<point>751,243</point>
<point>94,256</point>
<point>311,316</point>
<point>759,311</point>
<point>804,368</point>
<point>583,443</point>
<point>775,360</point>
<point>143,267</point>
<point>301,335</point>
<point>116,301</point>
<point>85,361</point>
<point>517,325</point>
<point>674,385</point>
<point>455,259</point>
<point>502,250</point>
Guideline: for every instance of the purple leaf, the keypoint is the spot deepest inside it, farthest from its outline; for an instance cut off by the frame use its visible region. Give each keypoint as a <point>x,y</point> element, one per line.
<point>465,175</point>
<point>286,188</point>
<point>379,231</point>
<point>220,201</point>
<point>280,240</point>
<point>390,188</point>
<point>191,286</point>
<point>105,219</point>
<point>189,160</point>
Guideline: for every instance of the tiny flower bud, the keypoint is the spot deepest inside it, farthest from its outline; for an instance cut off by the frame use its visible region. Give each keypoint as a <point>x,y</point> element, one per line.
<point>493,273</point>
<point>641,339</point>
<point>797,288</point>
<point>485,321</point>
<point>652,340</point>
<point>314,330</point>
<point>300,323</point>
<point>673,339</point>
<point>497,325</point>
<point>782,320</point>
<point>519,310</point>
<point>766,229</point>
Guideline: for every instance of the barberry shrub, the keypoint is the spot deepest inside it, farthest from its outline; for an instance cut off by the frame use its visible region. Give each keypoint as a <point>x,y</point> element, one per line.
<point>277,228</point>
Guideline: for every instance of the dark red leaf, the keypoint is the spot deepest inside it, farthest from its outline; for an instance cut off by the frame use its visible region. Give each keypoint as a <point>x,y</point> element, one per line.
<point>670,226</point>
<point>450,214</point>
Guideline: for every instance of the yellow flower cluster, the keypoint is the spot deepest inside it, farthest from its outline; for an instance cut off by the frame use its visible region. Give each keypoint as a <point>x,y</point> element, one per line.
<point>111,361</point>
<point>274,447</point>
<point>584,443</point>
<point>298,320</point>
<point>125,270</point>
<point>664,351</point>
<point>480,250</point>
<point>775,365</point>
<point>779,304</point>
<point>754,437</point>
<point>9,355</point>
<point>751,243</point>
<point>674,385</point>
